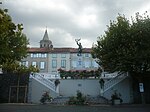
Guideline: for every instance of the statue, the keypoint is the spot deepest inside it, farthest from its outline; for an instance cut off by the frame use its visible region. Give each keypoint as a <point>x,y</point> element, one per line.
<point>101,82</point>
<point>80,47</point>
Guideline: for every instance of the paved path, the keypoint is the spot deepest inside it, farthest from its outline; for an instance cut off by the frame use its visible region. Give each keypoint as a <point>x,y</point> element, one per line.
<point>52,108</point>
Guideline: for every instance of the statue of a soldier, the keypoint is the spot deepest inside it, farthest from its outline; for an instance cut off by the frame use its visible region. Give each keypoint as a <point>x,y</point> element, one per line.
<point>79,48</point>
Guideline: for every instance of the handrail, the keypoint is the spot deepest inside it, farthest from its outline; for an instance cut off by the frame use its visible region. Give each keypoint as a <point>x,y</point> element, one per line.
<point>109,84</point>
<point>49,81</point>
<point>44,81</point>
<point>51,75</point>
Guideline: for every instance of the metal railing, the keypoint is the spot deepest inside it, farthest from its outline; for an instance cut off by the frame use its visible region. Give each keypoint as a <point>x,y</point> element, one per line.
<point>44,81</point>
<point>50,75</point>
<point>115,80</point>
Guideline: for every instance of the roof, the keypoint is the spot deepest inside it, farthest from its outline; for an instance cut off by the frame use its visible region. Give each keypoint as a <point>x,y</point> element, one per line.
<point>46,35</point>
<point>58,50</point>
<point>38,50</point>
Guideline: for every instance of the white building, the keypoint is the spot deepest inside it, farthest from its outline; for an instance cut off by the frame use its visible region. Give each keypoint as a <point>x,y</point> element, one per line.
<point>49,59</point>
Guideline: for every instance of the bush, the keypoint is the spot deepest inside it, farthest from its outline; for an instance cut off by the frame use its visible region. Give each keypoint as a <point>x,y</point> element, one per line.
<point>78,100</point>
<point>45,98</point>
<point>72,100</point>
<point>116,96</point>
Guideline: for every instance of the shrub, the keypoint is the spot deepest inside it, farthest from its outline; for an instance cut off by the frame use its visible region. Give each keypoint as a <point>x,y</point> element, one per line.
<point>57,82</point>
<point>78,100</point>
<point>45,98</point>
<point>116,96</point>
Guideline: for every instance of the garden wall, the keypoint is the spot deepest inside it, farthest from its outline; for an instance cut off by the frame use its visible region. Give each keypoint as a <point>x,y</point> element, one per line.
<point>69,87</point>
<point>36,90</point>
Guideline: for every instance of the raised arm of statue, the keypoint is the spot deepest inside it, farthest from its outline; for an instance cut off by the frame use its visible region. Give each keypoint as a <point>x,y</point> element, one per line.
<point>77,41</point>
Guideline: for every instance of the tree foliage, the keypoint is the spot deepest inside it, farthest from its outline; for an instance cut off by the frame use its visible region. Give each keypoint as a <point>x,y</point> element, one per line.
<point>125,46</point>
<point>17,68</point>
<point>13,43</point>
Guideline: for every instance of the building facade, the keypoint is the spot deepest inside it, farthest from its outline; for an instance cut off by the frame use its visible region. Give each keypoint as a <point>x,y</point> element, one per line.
<point>49,59</point>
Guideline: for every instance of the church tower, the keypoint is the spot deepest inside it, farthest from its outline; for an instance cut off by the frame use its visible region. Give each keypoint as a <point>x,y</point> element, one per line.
<point>45,42</point>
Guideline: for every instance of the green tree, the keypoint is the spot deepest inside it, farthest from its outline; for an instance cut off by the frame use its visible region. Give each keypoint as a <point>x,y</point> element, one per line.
<point>13,47</point>
<point>125,45</point>
<point>13,43</point>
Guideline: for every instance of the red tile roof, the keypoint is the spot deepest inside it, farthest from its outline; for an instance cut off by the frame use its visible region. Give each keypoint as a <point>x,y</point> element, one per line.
<point>58,50</point>
<point>39,50</point>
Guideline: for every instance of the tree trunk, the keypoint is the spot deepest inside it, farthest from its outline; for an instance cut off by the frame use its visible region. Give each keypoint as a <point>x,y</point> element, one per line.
<point>18,87</point>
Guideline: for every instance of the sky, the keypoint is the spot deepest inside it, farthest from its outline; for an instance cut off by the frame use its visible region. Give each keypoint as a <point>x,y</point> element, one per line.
<point>67,20</point>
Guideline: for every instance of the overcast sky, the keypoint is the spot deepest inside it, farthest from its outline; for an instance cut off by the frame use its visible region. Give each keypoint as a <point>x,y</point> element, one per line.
<point>67,20</point>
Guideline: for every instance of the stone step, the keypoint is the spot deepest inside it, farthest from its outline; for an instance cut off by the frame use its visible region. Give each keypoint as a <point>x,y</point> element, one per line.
<point>89,100</point>
<point>60,100</point>
<point>97,100</point>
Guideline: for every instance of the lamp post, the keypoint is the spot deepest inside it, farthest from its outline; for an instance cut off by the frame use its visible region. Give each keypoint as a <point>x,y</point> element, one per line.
<point>141,86</point>
<point>101,82</point>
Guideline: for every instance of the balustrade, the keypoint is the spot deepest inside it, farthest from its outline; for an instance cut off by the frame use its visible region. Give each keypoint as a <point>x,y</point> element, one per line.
<point>115,80</point>
<point>44,81</point>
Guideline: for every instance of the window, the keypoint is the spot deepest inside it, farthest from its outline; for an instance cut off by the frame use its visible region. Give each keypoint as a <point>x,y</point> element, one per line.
<point>54,55</point>
<point>31,55</point>
<point>74,64</point>
<point>63,55</point>
<point>86,55</point>
<point>44,55</point>
<point>34,64</point>
<point>25,63</point>
<point>63,63</point>
<point>87,64</point>
<point>34,55</point>
<point>40,55</point>
<point>79,63</point>
<point>54,63</point>
<point>42,65</point>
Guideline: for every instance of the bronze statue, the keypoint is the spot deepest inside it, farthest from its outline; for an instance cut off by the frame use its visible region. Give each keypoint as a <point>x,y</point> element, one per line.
<point>80,47</point>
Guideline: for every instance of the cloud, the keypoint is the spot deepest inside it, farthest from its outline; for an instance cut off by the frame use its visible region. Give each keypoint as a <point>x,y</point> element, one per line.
<point>67,20</point>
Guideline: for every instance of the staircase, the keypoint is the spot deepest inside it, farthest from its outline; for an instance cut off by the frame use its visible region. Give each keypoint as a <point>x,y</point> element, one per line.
<point>120,76</point>
<point>60,100</point>
<point>38,84</point>
<point>48,83</point>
